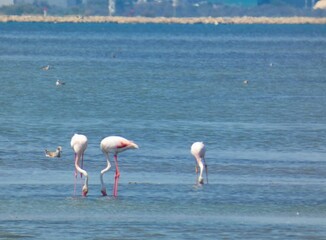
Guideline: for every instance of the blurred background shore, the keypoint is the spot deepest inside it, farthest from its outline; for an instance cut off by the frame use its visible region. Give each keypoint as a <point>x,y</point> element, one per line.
<point>165,11</point>
<point>166,20</point>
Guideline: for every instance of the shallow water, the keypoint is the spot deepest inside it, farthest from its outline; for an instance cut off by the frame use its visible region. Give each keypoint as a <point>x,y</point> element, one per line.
<point>164,86</point>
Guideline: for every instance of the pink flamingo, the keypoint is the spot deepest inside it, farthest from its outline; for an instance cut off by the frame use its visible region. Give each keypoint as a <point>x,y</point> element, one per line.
<point>198,150</point>
<point>115,145</point>
<point>79,144</point>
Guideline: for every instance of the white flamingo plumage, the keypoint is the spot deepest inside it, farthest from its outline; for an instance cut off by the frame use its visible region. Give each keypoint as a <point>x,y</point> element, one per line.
<point>79,144</point>
<point>114,145</point>
<point>198,150</point>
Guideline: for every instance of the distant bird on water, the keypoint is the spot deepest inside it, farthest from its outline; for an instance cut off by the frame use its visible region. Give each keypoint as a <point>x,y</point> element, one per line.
<point>246,82</point>
<point>56,153</point>
<point>59,83</point>
<point>198,150</point>
<point>79,144</point>
<point>46,68</point>
<point>114,145</point>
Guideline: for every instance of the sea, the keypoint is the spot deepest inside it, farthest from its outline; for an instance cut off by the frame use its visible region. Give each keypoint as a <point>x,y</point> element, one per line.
<point>254,94</point>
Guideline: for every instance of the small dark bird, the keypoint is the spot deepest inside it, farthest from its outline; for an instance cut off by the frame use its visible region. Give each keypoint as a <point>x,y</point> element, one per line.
<point>45,68</point>
<point>56,153</point>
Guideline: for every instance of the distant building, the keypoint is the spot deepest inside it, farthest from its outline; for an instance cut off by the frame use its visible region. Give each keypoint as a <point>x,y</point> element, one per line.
<point>295,3</point>
<point>111,7</point>
<point>300,3</point>
<point>6,2</point>
<point>242,3</point>
<point>57,3</point>
<point>16,2</point>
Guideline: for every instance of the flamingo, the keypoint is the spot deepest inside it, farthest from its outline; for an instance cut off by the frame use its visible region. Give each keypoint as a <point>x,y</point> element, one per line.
<point>79,144</point>
<point>115,145</point>
<point>198,150</point>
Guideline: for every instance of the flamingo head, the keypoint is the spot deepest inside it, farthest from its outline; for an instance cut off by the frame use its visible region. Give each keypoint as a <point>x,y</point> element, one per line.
<point>103,191</point>
<point>200,180</point>
<point>133,145</point>
<point>85,191</point>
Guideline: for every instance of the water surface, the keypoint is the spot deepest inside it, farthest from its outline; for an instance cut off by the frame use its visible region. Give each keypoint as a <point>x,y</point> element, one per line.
<point>164,86</point>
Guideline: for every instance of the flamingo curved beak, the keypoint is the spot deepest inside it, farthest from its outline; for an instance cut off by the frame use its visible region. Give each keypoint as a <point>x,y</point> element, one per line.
<point>134,145</point>
<point>103,193</point>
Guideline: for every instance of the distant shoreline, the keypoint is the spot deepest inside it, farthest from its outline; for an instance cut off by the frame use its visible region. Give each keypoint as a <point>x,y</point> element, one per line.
<point>163,20</point>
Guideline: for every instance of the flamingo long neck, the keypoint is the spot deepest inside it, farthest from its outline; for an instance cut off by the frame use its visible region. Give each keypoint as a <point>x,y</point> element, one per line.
<point>79,169</point>
<point>201,166</point>
<point>105,170</point>
<point>200,162</point>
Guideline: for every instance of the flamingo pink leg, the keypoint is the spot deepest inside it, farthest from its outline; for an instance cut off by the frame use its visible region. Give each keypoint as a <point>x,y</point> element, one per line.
<point>116,177</point>
<point>206,173</point>
<point>75,175</point>
<point>82,165</point>
<point>196,170</point>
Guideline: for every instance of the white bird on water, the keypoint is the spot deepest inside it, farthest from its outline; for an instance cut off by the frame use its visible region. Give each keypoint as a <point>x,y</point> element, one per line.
<point>198,150</point>
<point>114,145</point>
<point>45,68</point>
<point>59,83</point>
<point>79,144</point>
<point>56,153</point>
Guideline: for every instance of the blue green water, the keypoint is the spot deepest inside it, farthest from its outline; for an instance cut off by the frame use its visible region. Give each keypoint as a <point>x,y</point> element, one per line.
<point>164,87</point>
